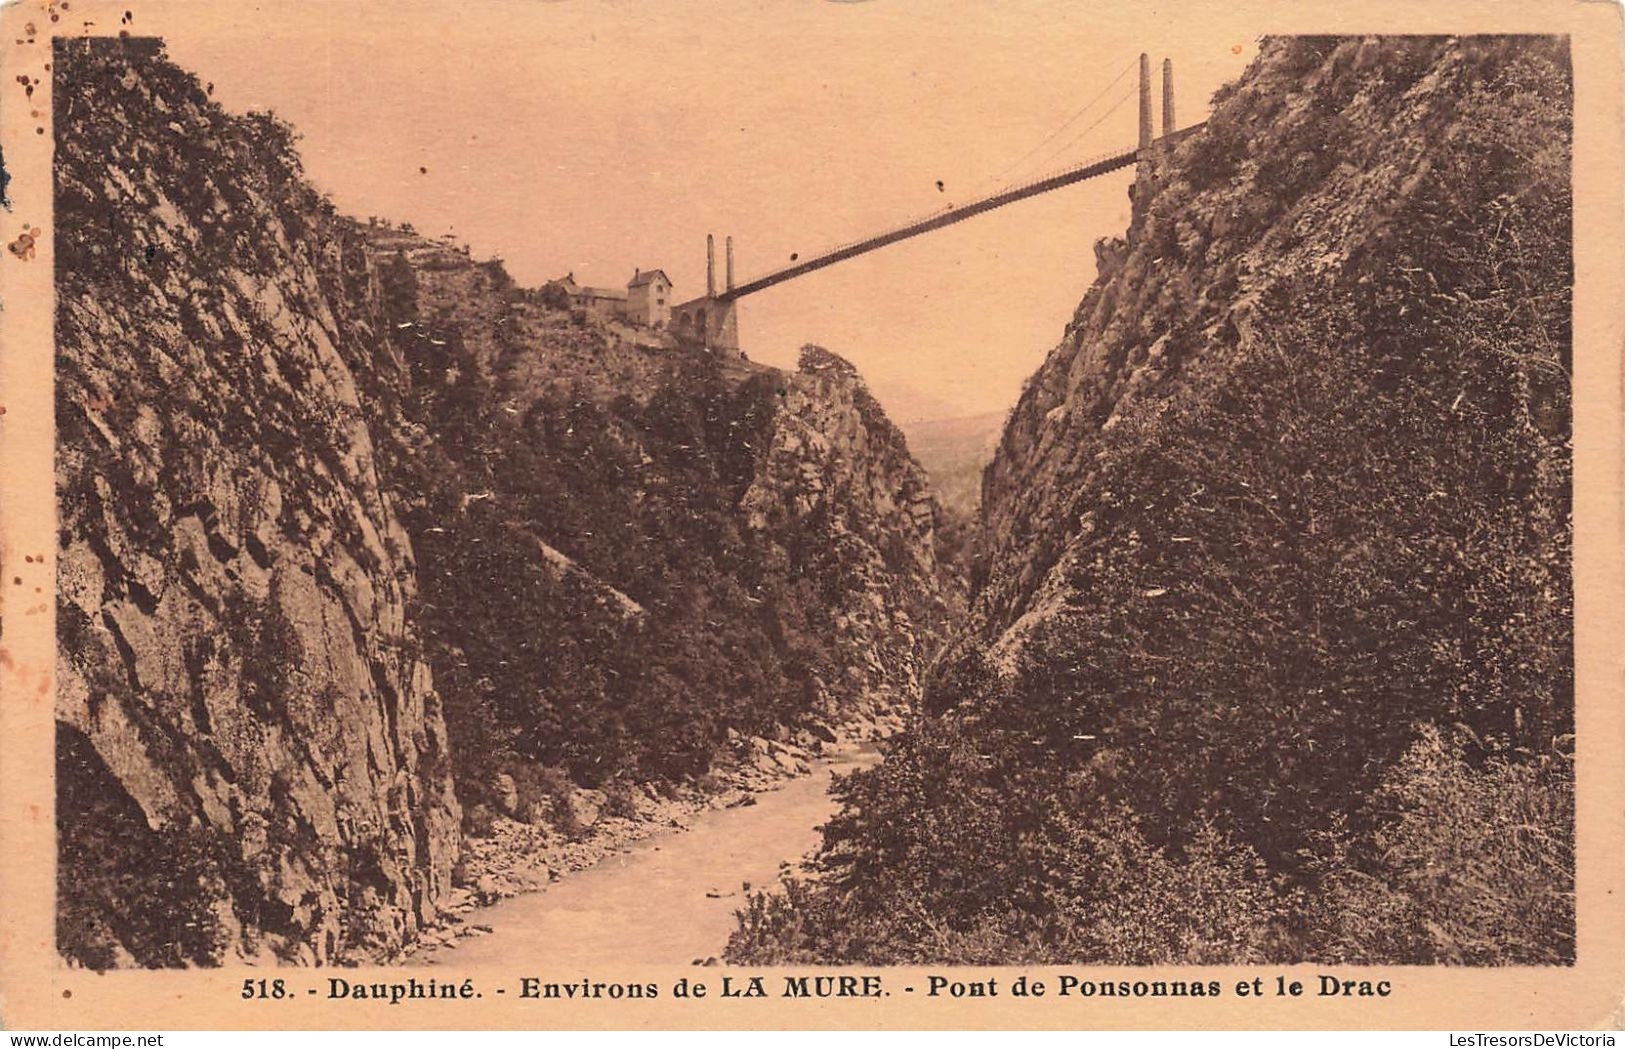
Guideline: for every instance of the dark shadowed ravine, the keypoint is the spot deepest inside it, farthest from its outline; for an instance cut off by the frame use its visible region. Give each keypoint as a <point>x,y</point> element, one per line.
<point>669,899</point>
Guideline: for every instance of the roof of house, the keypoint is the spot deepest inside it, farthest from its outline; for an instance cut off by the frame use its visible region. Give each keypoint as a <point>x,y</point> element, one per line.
<point>603,293</point>
<point>645,276</point>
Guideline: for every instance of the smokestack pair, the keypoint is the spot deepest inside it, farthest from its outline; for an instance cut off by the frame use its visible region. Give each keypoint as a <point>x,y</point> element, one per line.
<point>1145,98</point>
<point>711,265</point>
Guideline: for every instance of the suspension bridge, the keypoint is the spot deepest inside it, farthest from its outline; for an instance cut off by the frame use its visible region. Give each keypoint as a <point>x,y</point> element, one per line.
<point>713,318</point>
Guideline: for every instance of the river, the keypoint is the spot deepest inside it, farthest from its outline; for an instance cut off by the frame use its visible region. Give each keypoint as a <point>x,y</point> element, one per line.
<point>669,899</point>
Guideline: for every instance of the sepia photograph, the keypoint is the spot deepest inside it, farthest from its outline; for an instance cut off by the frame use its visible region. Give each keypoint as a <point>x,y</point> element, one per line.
<point>571,489</point>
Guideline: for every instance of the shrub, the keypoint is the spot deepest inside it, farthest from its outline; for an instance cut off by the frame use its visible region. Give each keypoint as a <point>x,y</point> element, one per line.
<point>1468,866</point>
<point>479,821</point>
<point>554,297</point>
<point>544,789</point>
<point>620,800</point>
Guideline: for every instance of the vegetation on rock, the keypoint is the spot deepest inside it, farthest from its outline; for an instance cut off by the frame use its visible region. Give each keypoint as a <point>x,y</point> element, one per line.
<point>1269,654</point>
<point>358,536</point>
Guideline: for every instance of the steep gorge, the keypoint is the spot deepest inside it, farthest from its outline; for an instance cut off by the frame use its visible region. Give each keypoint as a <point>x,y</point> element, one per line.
<point>364,548</point>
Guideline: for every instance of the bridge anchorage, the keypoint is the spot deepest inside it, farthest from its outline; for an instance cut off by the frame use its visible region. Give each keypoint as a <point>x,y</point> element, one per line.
<point>714,317</point>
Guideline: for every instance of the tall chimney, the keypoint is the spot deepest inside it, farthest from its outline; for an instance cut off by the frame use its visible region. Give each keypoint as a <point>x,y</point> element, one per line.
<point>710,266</point>
<point>730,264</point>
<point>1145,100</point>
<point>1167,96</point>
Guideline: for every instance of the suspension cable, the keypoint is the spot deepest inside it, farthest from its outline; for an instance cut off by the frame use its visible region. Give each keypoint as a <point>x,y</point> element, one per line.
<point>1000,177</point>
<point>1075,139</point>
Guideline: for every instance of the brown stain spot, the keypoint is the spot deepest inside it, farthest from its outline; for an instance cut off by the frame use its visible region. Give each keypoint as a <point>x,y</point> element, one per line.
<point>44,685</point>
<point>5,659</point>
<point>66,993</point>
<point>23,246</point>
<point>34,813</point>
<point>29,558</point>
<point>16,580</point>
<point>1235,49</point>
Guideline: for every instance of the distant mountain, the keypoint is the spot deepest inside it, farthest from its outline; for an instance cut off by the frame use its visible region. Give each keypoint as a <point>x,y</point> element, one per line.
<point>954,453</point>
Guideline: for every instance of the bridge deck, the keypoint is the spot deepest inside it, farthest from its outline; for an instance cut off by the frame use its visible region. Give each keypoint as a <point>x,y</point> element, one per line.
<point>1093,169</point>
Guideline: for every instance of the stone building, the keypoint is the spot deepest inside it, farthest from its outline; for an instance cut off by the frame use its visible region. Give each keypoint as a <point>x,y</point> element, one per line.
<point>608,303</point>
<point>645,302</point>
<point>648,299</point>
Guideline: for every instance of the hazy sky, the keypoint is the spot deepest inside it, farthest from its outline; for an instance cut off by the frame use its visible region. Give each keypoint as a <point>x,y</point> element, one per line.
<point>598,137</point>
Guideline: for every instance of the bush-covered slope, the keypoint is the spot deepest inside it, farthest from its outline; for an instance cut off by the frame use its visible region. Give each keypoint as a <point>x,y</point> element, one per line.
<point>751,552</point>
<point>768,536</point>
<point>1270,647</point>
<point>354,530</point>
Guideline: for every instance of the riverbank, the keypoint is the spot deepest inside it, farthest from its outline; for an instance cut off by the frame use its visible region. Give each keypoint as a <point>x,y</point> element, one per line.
<point>666,879</point>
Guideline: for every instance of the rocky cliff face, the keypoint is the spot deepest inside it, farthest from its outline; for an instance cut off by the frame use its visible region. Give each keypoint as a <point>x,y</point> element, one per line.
<point>356,536</point>
<point>1297,439</point>
<point>252,756</point>
<point>1316,177</point>
<point>836,490</point>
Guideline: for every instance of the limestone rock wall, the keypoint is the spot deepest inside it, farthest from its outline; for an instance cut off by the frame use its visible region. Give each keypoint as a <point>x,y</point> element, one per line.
<point>837,487</point>
<point>252,760</point>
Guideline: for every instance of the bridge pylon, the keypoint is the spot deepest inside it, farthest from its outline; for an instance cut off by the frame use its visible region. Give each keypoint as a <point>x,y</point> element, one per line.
<point>712,319</point>
<point>1141,192</point>
<point>1145,100</point>
<point>1151,146</point>
<point>1168,126</point>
